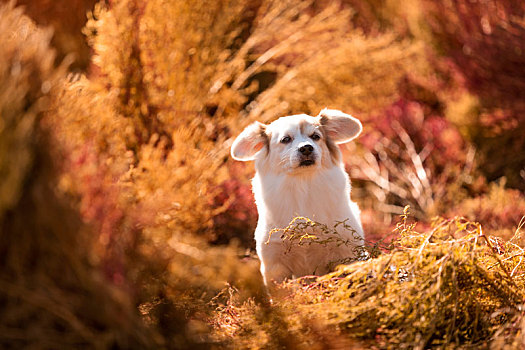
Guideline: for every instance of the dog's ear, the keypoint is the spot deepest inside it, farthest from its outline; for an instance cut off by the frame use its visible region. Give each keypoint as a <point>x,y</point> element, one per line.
<point>249,142</point>
<point>339,126</point>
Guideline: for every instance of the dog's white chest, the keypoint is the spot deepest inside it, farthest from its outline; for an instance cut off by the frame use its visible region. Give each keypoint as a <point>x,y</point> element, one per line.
<point>324,197</point>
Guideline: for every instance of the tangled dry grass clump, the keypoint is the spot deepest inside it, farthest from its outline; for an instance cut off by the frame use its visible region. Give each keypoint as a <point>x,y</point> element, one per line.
<point>125,224</point>
<point>452,286</point>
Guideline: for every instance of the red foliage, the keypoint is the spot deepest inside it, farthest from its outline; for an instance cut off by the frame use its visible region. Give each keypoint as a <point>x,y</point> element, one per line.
<point>238,214</point>
<point>484,41</point>
<point>431,134</point>
<point>100,208</point>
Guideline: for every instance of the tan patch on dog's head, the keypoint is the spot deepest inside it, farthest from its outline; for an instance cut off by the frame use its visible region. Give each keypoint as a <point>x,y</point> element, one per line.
<point>303,126</point>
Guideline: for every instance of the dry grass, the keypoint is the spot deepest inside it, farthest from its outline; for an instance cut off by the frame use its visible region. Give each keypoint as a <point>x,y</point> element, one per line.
<point>452,286</point>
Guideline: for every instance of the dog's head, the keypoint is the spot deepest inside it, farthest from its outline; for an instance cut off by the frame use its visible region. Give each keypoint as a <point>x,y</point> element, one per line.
<point>297,144</point>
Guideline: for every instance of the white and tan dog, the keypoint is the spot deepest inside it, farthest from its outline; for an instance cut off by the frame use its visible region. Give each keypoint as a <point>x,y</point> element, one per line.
<point>299,172</point>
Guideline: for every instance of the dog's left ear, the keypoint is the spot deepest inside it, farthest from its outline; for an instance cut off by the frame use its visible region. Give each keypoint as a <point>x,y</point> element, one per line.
<point>340,127</point>
<point>249,142</point>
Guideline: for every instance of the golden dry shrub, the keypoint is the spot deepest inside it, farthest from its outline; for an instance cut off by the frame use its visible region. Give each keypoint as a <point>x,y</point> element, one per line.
<point>319,58</point>
<point>162,92</point>
<point>169,272</point>
<point>144,174</point>
<point>357,74</point>
<point>51,296</point>
<point>452,286</point>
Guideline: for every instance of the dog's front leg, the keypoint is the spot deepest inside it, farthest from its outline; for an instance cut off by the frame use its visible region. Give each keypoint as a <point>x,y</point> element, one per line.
<point>272,268</point>
<point>274,273</point>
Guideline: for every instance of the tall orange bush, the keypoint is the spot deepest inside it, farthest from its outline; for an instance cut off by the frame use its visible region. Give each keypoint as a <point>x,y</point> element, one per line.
<point>51,292</point>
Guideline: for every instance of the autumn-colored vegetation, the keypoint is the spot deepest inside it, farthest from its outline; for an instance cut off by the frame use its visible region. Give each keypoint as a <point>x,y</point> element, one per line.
<point>124,222</point>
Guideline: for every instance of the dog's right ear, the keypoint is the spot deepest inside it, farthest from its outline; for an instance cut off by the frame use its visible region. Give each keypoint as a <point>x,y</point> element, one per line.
<point>249,142</point>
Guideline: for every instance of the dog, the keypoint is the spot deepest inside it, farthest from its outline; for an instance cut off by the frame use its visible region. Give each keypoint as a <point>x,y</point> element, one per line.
<point>299,172</point>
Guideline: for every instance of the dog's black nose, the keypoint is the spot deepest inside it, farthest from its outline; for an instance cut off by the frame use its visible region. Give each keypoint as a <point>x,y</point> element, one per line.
<point>306,149</point>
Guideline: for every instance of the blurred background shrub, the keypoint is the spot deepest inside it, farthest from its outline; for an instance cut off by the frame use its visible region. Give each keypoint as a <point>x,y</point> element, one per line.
<point>67,23</point>
<point>51,295</point>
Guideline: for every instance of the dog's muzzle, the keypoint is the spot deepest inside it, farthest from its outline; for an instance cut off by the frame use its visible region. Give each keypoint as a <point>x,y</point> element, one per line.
<point>307,157</point>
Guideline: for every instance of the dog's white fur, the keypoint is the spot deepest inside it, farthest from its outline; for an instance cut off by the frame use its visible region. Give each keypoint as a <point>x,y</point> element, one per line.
<point>290,183</point>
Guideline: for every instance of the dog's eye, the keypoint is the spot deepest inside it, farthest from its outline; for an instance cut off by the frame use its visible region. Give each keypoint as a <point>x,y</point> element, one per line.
<point>315,137</point>
<point>286,139</point>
